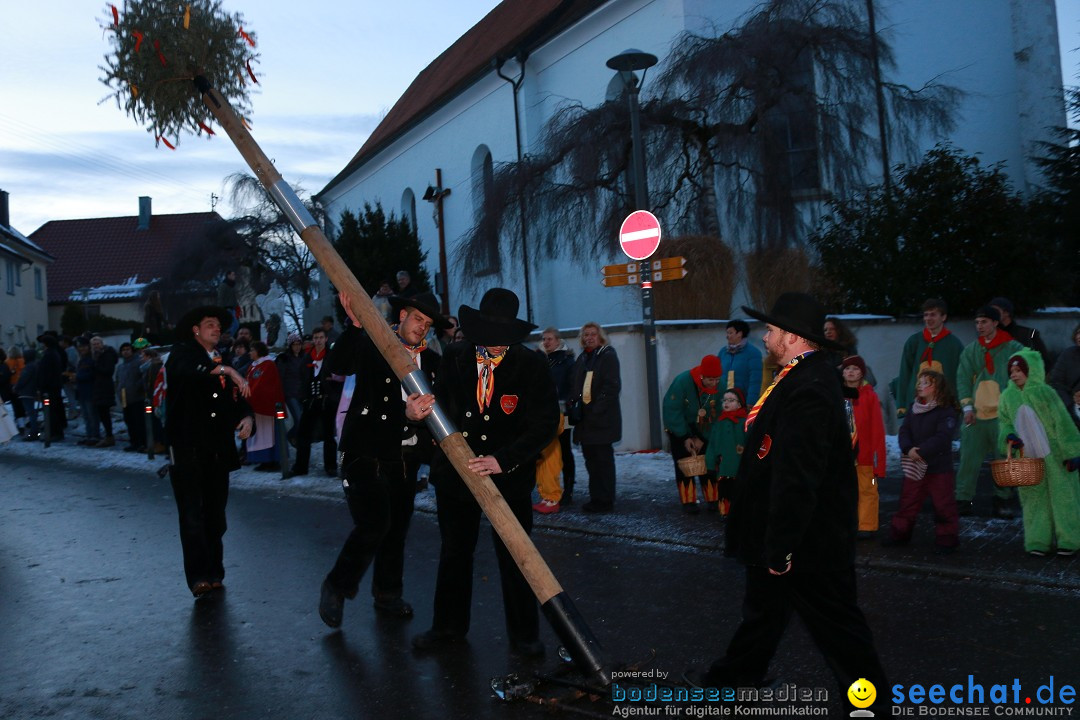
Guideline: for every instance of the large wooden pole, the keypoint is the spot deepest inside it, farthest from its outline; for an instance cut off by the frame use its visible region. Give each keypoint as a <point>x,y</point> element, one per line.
<point>556,604</point>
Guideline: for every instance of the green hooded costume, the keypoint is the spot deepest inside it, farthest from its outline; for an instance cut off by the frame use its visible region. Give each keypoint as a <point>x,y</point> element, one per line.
<point>1051,508</point>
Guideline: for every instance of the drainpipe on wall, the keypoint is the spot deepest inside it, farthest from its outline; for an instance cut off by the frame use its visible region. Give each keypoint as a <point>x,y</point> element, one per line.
<point>521,56</point>
<point>880,95</point>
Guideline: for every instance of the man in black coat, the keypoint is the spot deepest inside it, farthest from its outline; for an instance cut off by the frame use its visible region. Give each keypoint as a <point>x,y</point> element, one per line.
<point>501,397</point>
<point>793,514</point>
<point>50,382</point>
<point>379,495</point>
<point>204,407</point>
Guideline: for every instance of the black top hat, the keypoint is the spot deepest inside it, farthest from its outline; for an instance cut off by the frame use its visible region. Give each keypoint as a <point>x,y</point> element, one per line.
<point>798,314</point>
<point>496,322</point>
<point>425,302</point>
<point>196,315</point>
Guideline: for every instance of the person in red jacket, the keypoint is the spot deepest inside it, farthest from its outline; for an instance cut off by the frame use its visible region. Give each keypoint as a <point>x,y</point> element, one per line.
<point>870,429</point>
<point>266,394</point>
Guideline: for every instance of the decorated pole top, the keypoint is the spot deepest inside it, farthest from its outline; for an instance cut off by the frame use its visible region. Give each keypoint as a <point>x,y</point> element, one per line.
<point>159,48</point>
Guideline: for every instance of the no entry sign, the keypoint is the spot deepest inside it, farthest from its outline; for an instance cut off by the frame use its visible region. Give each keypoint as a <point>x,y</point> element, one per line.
<point>639,235</point>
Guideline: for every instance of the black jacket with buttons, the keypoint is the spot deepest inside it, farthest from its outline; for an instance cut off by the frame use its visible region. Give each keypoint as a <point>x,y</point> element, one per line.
<point>520,422</point>
<point>201,414</point>
<point>375,424</point>
<point>795,494</point>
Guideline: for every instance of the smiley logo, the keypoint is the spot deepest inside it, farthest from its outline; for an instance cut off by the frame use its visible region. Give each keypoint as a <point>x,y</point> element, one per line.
<point>862,693</point>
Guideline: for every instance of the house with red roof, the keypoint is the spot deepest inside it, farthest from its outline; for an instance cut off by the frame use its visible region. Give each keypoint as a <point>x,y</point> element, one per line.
<point>23,310</point>
<point>106,265</point>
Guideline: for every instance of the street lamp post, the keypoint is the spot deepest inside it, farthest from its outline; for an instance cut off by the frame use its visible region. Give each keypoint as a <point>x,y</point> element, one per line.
<point>627,62</point>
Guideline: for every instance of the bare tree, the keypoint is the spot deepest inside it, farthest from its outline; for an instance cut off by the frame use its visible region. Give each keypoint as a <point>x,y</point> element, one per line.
<point>739,129</point>
<point>277,253</point>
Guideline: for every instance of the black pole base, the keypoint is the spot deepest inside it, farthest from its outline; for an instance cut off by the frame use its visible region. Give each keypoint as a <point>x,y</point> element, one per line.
<point>576,637</point>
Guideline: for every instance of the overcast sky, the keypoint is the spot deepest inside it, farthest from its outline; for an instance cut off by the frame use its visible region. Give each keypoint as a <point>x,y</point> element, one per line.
<point>330,69</point>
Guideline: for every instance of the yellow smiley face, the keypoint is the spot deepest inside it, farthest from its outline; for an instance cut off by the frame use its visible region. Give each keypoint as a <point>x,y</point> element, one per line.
<point>862,693</point>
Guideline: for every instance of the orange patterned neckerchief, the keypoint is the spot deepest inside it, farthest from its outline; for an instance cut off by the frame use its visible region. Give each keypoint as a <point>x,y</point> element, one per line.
<point>752,415</point>
<point>485,381</point>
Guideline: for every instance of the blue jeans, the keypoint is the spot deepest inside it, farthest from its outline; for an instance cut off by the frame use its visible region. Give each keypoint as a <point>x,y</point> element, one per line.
<point>31,415</point>
<point>90,419</point>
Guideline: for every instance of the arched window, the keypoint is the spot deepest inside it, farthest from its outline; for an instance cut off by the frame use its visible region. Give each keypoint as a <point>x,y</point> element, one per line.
<point>408,207</point>
<point>483,177</point>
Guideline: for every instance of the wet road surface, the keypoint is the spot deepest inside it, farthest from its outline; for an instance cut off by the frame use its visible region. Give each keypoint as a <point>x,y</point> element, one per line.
<point>97,622</point>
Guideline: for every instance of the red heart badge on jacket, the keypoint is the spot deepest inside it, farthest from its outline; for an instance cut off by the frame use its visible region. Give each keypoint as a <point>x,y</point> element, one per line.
<point>508,403</point>
<point>766,445</point>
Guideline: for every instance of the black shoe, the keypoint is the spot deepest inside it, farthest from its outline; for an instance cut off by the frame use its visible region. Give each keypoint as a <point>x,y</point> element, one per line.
<point>567,498</point>
<point>864,535</point>
<point>1065,552</point>
<point>297,471</point>
<point>527,648</point>
<point>891,541</point>
<point>395,607</point>
<point>964,508</point>
<point>691,508</point>
<point>1037,553</point>
<point>597,507</point>
<point>331,605</point>
<point>434,639</point>
<point>1001,510</point>
<point>130,448</point>
<point>268,467</point>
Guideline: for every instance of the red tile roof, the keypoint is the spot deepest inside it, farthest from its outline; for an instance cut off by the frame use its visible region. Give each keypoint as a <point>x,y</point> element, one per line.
<point>512,25</point>
<point>110,251</point>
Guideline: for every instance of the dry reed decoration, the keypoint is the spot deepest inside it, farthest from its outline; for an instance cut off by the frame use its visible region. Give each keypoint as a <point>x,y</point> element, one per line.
<point>769,273</point>
<point>709,285</point>
<point>159,48</point>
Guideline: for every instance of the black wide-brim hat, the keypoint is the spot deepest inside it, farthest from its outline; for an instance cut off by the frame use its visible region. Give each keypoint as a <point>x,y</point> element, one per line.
<point>799,314</point>
<point>196,315</point>
<point>495,322</point>
<point>425,302</point>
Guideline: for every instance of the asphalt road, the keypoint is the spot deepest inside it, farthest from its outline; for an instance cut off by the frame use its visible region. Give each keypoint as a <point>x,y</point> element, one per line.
<point>97,622</point>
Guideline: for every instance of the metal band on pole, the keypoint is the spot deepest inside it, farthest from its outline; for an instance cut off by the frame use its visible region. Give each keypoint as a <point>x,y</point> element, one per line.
<point>440,426</point>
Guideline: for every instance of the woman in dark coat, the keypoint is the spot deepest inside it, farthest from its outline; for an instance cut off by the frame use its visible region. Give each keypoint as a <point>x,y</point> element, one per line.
<point>295,372</point>
<point>596,387</point>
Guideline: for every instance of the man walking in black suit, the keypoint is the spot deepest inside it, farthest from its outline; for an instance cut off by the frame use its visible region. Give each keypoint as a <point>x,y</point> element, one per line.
<point>501,396</point>
<point>204,407</point>
<point>379,495</point>
<point>793,514</point>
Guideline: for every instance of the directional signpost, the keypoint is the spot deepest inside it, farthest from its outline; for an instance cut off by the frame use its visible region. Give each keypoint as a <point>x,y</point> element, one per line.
<point>639,237</point>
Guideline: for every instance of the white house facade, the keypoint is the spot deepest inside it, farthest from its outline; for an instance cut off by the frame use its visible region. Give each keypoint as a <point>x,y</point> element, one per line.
<point>1001,53</point>
<point>458,118</point>
<point>24,310</point>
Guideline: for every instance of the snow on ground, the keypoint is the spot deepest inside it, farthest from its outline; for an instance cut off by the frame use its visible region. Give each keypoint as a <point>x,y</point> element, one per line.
<point>647,504</point>
<point>641,475</point>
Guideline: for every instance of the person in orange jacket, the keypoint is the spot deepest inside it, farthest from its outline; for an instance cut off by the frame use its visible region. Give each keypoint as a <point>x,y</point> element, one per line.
<point>870,429</point>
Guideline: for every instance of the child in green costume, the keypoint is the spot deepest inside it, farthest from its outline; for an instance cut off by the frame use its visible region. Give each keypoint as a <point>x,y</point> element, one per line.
<point>1029,407</point>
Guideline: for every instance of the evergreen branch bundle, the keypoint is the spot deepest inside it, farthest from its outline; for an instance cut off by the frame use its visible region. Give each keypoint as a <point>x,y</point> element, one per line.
<point>160,46</point>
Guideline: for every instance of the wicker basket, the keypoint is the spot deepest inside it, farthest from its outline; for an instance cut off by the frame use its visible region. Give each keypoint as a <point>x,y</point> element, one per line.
<point>692,465</point>
<point>1016,472</point>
